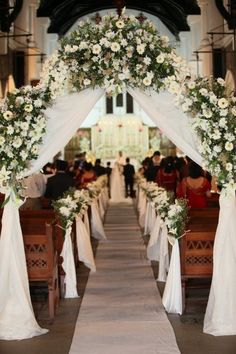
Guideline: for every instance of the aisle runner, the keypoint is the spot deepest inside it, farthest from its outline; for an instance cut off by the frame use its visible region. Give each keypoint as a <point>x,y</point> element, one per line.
<point>121,312</point>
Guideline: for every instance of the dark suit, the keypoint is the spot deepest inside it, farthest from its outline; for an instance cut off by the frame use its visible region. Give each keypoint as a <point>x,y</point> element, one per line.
<point>129,179</point>
<point>58,184</point>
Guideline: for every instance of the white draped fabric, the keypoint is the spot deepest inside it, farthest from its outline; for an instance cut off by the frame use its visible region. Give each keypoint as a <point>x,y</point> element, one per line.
<point>164,254</point>
<point>150,219</point>
<point>85,251</point>
<point>220,319</point>
<point>86,222</point>
<point>172,296</point>
<point>68,265</point>
<point>64,117</point>
<point>142,203</point>
<point>96,222</point>
<point>153,247</point>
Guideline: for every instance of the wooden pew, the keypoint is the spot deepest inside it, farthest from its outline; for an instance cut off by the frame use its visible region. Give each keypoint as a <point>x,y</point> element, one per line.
<point>41,259</point>
<point>196,247</point>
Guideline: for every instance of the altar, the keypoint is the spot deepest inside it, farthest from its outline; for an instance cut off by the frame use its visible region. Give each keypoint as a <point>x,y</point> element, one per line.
<point>120,133</point>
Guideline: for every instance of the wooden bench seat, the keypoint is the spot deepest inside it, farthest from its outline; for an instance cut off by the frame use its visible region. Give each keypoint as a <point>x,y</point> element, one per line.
<point>42,265</point>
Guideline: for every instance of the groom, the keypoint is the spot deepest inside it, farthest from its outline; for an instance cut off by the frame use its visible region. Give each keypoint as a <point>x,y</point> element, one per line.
<point>129,178</point>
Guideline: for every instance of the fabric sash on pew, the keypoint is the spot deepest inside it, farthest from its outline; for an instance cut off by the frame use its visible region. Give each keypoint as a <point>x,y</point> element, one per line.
<point>153,248</point>
<point>86,222</point>
<point>150,219</point>
<point>84,245</point>
<point>69,266</point>
<point>142,207</point>
<point>96,223</point>
<point>172,296</point>
<point>164,254</point>
<point>101,207</point>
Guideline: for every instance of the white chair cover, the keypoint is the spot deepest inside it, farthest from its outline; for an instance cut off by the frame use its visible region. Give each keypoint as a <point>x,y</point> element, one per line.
<point>68,265</point>
<point>85,251</point>
<point>172,296</point>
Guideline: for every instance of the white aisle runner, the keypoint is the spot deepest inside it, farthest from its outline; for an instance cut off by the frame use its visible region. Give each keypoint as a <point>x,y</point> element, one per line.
<point>121,312</point>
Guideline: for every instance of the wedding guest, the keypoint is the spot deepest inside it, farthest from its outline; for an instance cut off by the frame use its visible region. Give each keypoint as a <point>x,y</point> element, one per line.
<point>34,187</point>
<point>108,172</point>
<point>98,168</point>
<point>167,175</point>
<point>88,175</point>
<point>129,173</point>
<point>60,182</point>
<point>195,188</point>
<point>154,166</point>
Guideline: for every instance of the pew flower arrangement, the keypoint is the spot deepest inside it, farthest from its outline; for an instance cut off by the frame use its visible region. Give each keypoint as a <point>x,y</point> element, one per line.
<point>213,111</point>
<point>117,52</point>
<point>176,218</point>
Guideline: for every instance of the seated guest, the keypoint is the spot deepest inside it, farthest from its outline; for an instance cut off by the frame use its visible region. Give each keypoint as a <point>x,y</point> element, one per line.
<point>195,188</point>
<point>99,169</point>
<point>154,166</point>
<point>60,182</point>
<point>88,175</point>
<point>33,189</point>
<point>167,175</point>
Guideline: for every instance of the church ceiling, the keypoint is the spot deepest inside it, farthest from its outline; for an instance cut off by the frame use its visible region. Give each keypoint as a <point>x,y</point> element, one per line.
<point>64,13</point>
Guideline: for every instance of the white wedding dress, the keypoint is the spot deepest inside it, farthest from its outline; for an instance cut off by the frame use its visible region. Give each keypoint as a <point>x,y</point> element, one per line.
<point>117,185</point>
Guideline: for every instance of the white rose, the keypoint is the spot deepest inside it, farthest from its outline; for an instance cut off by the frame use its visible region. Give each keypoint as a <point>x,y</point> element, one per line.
<point>203,92</point>
<point>115,47</point>
<point>229,146</point>
<point>96,49</point>
<point>223,103</point>
<point>19,100</point>
<point>207,113</point>
<point>221,81</point>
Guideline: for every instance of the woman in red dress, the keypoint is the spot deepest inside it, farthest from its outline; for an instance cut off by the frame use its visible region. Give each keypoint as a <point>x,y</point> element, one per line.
<point>88,176</point>
<point>167,175</point>
<point>195,188</point>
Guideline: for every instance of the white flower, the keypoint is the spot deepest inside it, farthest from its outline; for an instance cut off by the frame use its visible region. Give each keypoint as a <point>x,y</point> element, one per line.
<point>165,40</point>
<point>24,126</point>
<point>124,42</point>
<point>23,155</point>
<point>4,175</point>
<point>87,82</point>
<point>35,149</point>
<point>191,85</point>
<point>96,49</point>
<point>64,211</point>
<point>203,92</point>
<point>38,103</point>
<point>233,111</point>
<point>115,47</point>
<point>216,135</point>
<point>185,107</point>
<point>223,112</point>
<point>207,113</point>
<point>229,167</point>
<point>221,81</point>
<point>10,130</point>
<point>141,48</point>
<point>8,115</point>
<point>213,98</point>
<point>147,60</point>
<point>160,58</point>
<point>229,146</point>
<point>28,108</point>
<point>223,103</point>
<point>2,140</point>
<point>17,142</point>
<point>19,100</point>
<point>217,148</point>
<point>83,45</point>
<point>222,122</point>
<point>120,24</point>
<point>147,81</point>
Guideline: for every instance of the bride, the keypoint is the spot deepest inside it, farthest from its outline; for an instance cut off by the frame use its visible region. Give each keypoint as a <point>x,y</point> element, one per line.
<point>117,184</point>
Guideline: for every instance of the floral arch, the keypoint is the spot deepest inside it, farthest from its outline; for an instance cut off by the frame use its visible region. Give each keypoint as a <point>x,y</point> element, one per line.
<point>197,115</point>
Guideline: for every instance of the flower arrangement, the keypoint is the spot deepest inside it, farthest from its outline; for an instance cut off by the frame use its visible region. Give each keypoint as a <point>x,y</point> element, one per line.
<point>72,203</point>
<point>22,126</point>
<point>117,52</point>
<point>213,112</point>
<point>173,212</point>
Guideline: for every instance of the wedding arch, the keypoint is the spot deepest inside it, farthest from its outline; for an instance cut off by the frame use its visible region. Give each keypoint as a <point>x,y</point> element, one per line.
<point>36,122</point>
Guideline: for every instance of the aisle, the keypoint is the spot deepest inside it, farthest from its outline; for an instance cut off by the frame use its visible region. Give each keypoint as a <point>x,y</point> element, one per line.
<point>121,312</point>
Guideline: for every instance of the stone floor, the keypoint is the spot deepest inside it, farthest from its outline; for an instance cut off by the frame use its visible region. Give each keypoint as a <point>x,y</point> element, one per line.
<point>187,328</point>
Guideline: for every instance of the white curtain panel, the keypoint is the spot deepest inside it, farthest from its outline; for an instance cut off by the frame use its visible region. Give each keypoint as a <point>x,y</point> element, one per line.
<point>85,251</point>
